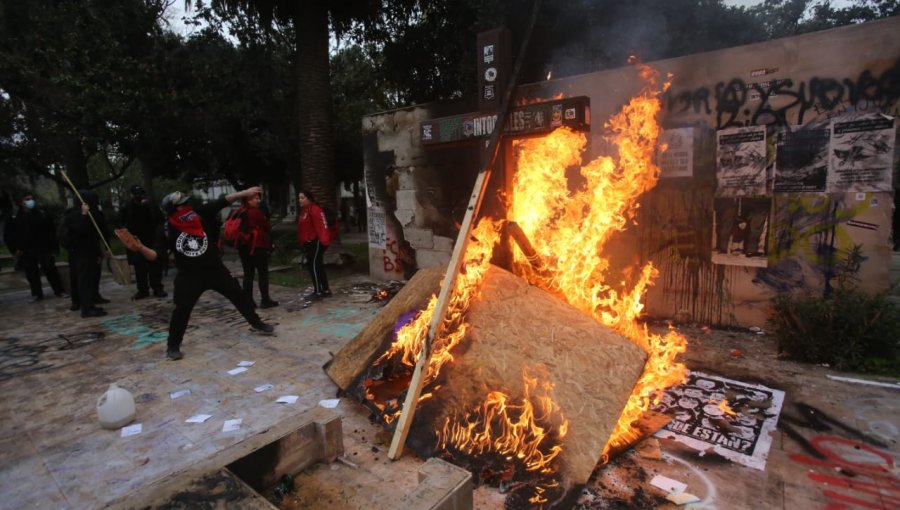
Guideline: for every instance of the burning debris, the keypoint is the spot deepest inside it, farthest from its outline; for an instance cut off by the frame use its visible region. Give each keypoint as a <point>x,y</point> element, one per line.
<point>530,373</point>
<point>381,293</point>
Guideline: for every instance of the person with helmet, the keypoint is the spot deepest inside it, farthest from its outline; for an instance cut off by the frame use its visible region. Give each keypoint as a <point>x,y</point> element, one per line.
<point>142,219</point>
<point>197,261</point>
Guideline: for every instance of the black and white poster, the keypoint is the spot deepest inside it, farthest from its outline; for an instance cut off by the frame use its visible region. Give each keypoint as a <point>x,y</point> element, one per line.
<point>861,153</point>
<point>678,158</point>
<point>801,158</point>
<point>741,231</point>
<point>377,229</point>
<point>733,418</point>
<point>741,161</point>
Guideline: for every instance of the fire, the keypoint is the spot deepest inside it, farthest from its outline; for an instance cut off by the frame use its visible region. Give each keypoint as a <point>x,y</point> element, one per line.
<point>570,231</point>
<point>510,427</point>
<point>410,338</point>
<point>723,405</point>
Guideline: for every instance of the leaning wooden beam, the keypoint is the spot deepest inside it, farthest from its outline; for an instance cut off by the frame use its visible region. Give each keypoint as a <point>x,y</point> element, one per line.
<point>524,244</point>
<point>456,259</point>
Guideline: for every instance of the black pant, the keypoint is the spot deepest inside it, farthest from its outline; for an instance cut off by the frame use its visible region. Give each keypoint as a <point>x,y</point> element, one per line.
<point>190,284</point>
<point>34,263</point>
<point>255,262</point>
<point>84,276</point>
<point>147,274</point>
<point>315,254</point>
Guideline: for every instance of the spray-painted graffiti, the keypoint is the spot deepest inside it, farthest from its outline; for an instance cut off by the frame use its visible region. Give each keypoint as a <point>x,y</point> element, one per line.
<point>854,473</point>
<point>393,261</point>
<point>18,358</point>
<point>738,103</point>
<point>136,325</point>
<point>344,322</point>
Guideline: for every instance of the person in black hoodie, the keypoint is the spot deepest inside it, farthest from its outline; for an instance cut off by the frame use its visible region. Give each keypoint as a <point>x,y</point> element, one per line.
<point>142,219</point>
<point>31,237</point>
<point>197,261</point>
<point>86,253</point>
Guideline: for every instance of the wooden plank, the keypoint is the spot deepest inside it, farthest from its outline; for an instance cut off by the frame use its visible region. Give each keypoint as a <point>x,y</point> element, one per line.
<point>358,354</point>
<point>493,149</point>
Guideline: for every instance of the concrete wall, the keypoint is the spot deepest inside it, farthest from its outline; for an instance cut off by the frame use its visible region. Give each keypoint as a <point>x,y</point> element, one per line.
<point>801,81</point>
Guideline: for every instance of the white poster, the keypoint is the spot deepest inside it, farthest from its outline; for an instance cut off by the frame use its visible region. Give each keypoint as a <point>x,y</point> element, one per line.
<point>678,158</point>
<point>861,153</point>
<point>741,161</point>
<point>377,230</point>
<point>733,418</point>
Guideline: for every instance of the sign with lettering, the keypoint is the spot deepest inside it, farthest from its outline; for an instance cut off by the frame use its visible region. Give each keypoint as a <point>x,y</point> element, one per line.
<point>531,119</point>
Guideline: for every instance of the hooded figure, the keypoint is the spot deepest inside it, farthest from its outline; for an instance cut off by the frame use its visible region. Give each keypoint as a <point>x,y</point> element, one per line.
<point>142,218</point>
<point>31,237</point>
<point>86,253</point>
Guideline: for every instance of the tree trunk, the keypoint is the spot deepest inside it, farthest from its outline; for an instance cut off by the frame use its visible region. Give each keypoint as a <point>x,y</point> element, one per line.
<point>314,99</point>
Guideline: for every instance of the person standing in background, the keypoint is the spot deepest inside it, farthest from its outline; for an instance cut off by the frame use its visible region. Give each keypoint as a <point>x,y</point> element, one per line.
<point>256,250</point>
<point>31,237</point>
<point>314,238</point>
<point>86,254</point>
<point>142,219</point>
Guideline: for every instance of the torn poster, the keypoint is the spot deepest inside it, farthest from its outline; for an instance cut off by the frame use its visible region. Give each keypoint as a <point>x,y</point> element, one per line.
<point>801,158</point>
<point>733,418</point>
<point>861,153</point>
<point>678,158</point>
<point>741,162</point>
<point>741,231</point>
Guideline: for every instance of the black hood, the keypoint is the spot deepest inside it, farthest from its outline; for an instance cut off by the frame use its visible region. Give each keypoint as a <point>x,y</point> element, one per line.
<point>90,198</point>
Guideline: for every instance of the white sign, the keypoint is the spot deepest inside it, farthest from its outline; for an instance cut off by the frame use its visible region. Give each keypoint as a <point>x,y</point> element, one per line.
<point>377,229</point>
<point>678,158</point>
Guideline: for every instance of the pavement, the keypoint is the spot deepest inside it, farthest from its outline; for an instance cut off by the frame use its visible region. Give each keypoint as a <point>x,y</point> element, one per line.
<point>829,442</point>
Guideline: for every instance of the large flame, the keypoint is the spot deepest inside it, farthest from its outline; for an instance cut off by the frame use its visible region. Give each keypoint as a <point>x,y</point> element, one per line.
<point>570,231</point>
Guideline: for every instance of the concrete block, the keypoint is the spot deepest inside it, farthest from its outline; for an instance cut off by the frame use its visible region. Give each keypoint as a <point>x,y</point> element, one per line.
<point>442,486</point>
<point>442,243</point>
<point>405,216</point>
<point>419,237</point>
<point>432,258</point>
<point>406,199</point>
<point>407,178</point>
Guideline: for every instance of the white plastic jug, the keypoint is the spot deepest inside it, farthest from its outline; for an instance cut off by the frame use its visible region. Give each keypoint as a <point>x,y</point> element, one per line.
<point>115,407</point>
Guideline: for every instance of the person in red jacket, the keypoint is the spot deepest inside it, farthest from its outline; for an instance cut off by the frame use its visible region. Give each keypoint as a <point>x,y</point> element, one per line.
<point>255,251</point>
<point>314,238</point>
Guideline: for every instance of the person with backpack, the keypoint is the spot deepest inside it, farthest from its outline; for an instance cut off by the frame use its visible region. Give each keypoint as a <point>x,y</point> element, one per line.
<point>197,261</point>
<point>142,219</point>
<point>314,235</point>
<point>254,244</point>
<point>31,237</point>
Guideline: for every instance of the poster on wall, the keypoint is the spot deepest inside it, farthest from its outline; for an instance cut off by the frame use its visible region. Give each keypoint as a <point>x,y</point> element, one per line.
<point>741,231</point>
<point>678,158</point>
<point>801,158</point>
<point>377,230</point>
<point>741,161</point>
<point>861,153</point>
<point>733,418</point>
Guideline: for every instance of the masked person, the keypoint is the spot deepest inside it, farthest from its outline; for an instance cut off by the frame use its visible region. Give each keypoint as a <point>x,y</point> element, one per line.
<point>142,219</point>
<point>314,238</point>
<point>85,253</point>
<point>197,260</point>
<point>31,237</point>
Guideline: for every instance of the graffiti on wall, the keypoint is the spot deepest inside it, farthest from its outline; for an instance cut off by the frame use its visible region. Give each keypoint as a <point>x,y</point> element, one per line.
<point>854,472</point>
<point>737,103</point>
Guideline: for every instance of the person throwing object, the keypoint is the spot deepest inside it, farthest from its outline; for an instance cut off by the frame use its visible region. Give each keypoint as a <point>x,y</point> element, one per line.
<point>197,261</point>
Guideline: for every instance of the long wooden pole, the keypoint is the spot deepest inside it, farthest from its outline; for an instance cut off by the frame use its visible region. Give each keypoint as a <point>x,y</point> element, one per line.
<point>456,259</point>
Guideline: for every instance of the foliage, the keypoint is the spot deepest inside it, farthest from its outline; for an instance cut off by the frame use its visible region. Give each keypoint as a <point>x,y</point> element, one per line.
<point>850,329</point>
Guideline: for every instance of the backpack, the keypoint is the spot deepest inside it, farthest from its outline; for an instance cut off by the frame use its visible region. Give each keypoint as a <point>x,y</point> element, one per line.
<point>235,232</point>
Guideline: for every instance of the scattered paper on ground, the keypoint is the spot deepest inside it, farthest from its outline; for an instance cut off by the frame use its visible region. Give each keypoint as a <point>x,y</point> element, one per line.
<point>231,425</point>
<point>264,387</point>
<point>179,393</point>
<point>132,430</point>
<point>330,403</point>
<point>198,418</point>
<point>246,363</point>
<point>236,371</point>
<point>287,399</point>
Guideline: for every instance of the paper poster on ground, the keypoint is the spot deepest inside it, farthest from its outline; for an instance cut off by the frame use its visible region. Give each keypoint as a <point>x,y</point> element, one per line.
<point>741,231</point>
<point>741,162</point>
<point>733,418</point>
<point>678,158</point>
<point>861,153</point>
<point>801,158</point>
